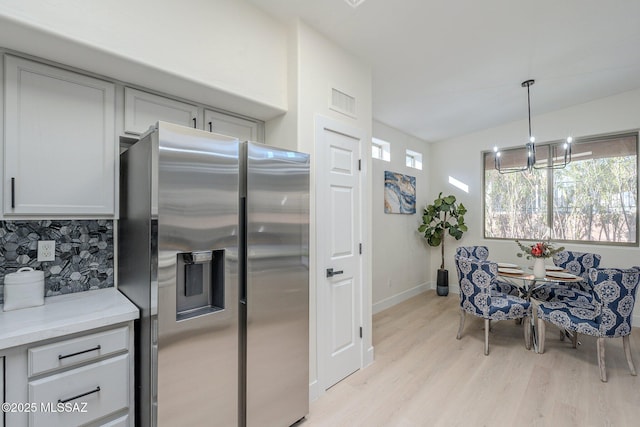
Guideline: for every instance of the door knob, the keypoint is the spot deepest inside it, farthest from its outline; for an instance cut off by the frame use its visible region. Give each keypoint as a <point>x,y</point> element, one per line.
<point>331,273</point>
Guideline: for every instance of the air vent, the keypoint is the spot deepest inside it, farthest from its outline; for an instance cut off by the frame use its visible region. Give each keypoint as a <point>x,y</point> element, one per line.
<point>354,3</point>
<point>342,103</point>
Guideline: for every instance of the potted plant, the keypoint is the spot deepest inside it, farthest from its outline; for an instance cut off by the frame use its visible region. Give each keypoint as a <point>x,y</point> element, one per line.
<point>443,216</point>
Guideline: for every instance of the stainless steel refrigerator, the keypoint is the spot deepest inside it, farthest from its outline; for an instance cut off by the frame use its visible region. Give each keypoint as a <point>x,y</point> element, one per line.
<point>213,249</point>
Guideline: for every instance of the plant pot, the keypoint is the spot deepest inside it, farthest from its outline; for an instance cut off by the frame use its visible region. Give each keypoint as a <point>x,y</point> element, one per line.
<point>442,284</point>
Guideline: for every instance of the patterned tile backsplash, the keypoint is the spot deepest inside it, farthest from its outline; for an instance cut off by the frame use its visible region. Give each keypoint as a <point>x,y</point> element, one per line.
<point>84,253</point>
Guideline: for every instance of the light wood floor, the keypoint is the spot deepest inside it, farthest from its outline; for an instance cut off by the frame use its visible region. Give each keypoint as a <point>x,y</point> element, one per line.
<point>423,376</point>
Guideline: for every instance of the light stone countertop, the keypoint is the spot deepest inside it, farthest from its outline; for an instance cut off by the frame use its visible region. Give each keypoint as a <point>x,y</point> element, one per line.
<point>65,314</point>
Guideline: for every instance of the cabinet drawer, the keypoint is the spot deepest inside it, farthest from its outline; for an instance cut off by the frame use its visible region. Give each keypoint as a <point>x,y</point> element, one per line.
<point>75,351</point>
<point>119,422</point>
<point>86,393</point>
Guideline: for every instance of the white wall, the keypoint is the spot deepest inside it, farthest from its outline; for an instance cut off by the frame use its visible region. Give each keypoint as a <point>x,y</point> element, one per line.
<point>461,157</point>
<point>223,53</point>
<point>318,65</point>
<point>400,256</point>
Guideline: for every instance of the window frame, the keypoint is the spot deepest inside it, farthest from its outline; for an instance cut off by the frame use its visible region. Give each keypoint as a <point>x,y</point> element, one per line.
<point>416,159</point>
<point>550,190</point>
<point>377,147</point>
<point>410,160</point>
<point>385,149</point>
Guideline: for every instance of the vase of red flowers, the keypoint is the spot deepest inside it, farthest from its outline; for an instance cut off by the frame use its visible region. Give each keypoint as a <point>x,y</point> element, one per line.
<point>538,251</point>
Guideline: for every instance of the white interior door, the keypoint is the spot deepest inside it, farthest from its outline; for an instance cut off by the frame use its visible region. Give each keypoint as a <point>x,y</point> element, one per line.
<point>339,237</point>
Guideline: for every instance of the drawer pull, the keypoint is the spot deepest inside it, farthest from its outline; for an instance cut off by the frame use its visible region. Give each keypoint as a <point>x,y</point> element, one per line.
<point>60,357</point>
<point>95,390</point>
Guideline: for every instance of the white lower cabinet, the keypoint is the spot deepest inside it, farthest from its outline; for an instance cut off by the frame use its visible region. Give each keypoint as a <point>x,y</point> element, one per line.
<point>120,422</point>
<point>85,379</point>
<point>2,389</point>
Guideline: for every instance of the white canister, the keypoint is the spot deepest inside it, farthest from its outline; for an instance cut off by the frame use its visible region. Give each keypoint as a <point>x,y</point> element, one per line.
<point>24,288</point>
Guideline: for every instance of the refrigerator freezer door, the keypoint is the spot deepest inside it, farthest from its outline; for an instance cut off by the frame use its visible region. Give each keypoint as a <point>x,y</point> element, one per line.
<point>179,224</point>
<point>198,208</point>
<point>277,341</point>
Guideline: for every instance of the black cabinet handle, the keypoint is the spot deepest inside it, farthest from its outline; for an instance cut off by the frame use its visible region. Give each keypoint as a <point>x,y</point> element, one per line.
<point>60,357</point>
<point>194,123</point>
<point>13,193</point>
<point>210,126</point>
<point>331,273</point>
<point>95,390</point>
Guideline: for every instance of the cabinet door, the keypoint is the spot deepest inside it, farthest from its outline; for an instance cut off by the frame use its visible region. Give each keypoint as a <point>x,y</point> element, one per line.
<point>60,148</point>
<point>142,109</point>
<point>243,129</point>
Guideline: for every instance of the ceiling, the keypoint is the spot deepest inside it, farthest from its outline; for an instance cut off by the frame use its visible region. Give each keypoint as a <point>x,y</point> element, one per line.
<point>444,68</point>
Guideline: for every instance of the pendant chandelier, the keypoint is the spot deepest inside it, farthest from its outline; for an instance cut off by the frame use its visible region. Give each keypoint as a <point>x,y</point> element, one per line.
<point>531,149</point>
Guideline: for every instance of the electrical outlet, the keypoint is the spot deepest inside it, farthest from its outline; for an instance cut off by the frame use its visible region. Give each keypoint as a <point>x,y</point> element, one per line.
<point>46,250</point>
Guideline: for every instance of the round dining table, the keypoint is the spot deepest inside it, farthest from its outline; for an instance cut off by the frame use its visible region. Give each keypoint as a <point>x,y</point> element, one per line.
<point>524,279</point>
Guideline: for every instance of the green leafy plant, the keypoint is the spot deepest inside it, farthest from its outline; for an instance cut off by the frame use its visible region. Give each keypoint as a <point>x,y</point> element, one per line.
<point>443,216</point>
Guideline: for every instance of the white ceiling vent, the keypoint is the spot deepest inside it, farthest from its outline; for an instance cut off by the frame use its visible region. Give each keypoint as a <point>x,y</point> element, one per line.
<point>354,3</point>
<point>342,103</point>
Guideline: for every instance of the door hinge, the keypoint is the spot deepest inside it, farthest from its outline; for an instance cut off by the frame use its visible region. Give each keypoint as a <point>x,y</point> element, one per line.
<point>360,248</point>
<point>359,164</point>
<point>360,331</point>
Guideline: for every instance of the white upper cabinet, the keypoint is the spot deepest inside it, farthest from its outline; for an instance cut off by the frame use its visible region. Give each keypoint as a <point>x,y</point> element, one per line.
<point>60,148</point>
<point>244,130</point>
<point>142,110</point>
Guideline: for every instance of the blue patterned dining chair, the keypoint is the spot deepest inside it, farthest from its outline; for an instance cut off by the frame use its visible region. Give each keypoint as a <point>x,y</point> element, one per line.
<point>578,264</point>
<point>481,253</point>
<point>608,316</point>
<point>479,299</point>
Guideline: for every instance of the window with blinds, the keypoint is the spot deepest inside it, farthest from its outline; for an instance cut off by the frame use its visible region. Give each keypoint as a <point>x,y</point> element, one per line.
<point>593,199</point>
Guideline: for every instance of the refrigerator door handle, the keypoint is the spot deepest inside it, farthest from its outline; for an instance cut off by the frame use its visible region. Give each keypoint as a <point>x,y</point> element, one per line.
<point>331,273</point>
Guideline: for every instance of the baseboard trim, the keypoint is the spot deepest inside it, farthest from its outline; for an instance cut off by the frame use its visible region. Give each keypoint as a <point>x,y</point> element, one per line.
<point>368,357</point>
<point>314,391</point>
<point>398,298</point>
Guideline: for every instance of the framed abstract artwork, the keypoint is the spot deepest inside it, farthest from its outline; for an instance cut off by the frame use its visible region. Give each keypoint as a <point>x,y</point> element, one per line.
<point>399,193</point>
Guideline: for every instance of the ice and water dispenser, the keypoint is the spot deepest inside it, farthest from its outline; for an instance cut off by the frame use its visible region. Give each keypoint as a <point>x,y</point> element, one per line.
<point>200,283</point>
